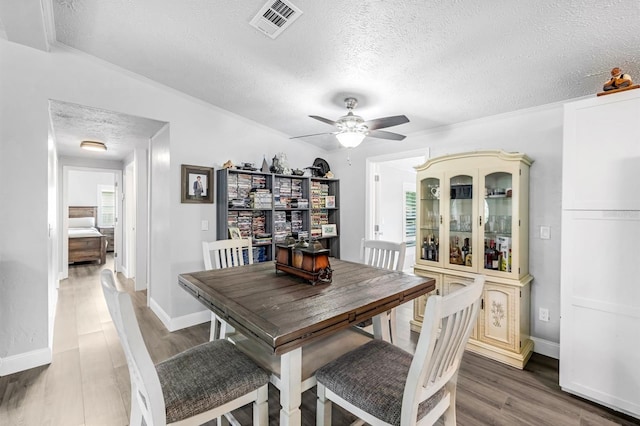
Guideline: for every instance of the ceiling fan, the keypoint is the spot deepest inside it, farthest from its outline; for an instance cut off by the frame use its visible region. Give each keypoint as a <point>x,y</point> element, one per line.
<point>352,128</point>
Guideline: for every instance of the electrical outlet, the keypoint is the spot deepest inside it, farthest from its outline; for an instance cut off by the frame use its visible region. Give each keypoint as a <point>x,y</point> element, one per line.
<point>543,314</point>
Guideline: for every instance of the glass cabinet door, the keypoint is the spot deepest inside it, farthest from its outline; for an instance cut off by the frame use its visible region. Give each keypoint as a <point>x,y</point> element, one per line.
<point>461,225</point>
<point>498,217</point>
<point>430,219</point>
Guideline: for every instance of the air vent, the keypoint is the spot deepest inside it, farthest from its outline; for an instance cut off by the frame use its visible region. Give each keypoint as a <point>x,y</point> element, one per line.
<point>275,17</point>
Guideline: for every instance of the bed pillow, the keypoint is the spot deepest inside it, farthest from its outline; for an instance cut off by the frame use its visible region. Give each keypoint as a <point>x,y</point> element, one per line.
<point>82,222</point>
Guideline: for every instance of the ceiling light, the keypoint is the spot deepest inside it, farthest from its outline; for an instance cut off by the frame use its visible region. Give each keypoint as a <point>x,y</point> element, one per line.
<point>93,146</point>
<point>350,139</point>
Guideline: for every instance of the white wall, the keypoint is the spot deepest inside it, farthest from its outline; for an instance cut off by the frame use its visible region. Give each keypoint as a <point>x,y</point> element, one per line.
<point>199,134</point>
<point>536,132</point>
<point>83,186</point>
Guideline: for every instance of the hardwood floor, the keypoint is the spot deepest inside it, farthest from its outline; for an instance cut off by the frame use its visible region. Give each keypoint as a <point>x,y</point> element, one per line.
<point>88,383</point>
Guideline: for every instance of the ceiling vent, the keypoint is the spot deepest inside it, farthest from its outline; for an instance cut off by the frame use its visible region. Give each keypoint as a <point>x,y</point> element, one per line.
<point>275,17</point>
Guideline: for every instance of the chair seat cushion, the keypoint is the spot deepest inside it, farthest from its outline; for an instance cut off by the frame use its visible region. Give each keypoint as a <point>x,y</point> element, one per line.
<point>205,377</point>
<point>372,377</point>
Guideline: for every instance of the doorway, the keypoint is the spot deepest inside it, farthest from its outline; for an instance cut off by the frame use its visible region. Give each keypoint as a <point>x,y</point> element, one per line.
<point>391,199</point>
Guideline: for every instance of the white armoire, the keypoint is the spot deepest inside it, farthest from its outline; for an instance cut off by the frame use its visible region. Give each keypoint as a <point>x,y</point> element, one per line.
<point>600,276</point>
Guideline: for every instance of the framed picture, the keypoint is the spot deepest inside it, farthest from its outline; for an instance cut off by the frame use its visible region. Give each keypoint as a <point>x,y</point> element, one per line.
<point>330,201</point>
<point>197,184</point>
<point>329,230</point>
<point>234,233</point>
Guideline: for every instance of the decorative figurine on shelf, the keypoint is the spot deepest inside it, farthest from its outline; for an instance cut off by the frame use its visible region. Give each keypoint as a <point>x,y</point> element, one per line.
<point>228,165</point>
<point>265,166</point>
<point>280,164</point>
<point>618,80</point>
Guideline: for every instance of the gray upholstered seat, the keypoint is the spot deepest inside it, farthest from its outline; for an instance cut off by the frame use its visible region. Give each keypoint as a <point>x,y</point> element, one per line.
<point>191,388</point>
<point>208,375</point>
<point>386,386</point>
<point>373,377</point>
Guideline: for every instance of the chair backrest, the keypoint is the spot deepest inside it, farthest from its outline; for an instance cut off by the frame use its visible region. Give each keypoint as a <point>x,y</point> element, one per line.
<point>383,254</point>
<point>145,384</point>
<point>448,322</point>
<point>227,253</point>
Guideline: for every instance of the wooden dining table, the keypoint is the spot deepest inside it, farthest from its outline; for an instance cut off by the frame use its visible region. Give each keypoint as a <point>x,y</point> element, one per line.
<point>291,327</point>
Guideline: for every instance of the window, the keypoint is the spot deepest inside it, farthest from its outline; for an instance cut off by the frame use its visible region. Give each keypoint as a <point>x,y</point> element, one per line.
<point>409,220</point>
<point>107,206</point>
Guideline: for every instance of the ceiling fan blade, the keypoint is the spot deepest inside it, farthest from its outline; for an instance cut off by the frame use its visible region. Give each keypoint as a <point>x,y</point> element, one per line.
<point>381,134</point>
<point>324,120</point>
<point>381,123</point>
<point>314,134</point>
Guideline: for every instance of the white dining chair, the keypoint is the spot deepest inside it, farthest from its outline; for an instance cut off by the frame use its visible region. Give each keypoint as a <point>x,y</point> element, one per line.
<point>225,254</point>
<point>383,254</point>
<point>384,385</point>
<point>386,255</point>
<point>190,388</point>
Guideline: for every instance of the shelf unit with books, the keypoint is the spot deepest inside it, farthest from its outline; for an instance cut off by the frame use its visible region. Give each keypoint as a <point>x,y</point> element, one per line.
<point>267,207</point>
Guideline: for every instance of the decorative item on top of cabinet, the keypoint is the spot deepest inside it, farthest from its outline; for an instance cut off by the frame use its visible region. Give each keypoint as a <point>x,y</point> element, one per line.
<point>473,214</point>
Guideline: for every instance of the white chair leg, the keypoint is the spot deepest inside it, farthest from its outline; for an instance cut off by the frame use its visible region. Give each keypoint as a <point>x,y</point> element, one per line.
<point>450,414</point>
<point>392,326</point>
<point>261,407</point>
<point>323,407</point>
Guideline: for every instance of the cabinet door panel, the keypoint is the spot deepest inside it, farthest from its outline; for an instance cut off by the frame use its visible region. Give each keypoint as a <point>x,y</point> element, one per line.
<point>460,226</point>
<point>498,322</point>
<point>451,284</point>
<point>500,224</point>
<point>429,250</point>
<point>420,303</point>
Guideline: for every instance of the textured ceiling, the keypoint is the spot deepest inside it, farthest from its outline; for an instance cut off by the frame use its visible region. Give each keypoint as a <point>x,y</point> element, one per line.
<point>437,62</point>
<point>121,132</point>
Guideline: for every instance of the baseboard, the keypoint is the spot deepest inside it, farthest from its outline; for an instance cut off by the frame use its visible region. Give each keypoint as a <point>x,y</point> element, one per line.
<point>546,347</point>
<point>25,361</point>
<point>173,324</point>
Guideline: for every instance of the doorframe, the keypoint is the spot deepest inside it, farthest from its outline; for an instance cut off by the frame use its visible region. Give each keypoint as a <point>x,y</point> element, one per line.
<point>64,214</point>
<point>372,165</point>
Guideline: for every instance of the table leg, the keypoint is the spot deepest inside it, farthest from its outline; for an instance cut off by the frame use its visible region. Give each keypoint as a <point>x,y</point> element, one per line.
<point>291,390</point>
<point>381,327</point>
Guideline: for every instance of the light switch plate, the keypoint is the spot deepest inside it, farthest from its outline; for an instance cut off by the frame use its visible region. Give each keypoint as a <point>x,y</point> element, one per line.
<point>545,233</point>
<point>205,225</point>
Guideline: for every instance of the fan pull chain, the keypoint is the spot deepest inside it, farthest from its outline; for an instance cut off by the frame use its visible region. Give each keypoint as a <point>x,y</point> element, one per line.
<point>349,156</point>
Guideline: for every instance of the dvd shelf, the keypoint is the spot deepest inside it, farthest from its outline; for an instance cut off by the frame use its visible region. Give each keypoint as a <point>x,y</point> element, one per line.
<point>268,207</point>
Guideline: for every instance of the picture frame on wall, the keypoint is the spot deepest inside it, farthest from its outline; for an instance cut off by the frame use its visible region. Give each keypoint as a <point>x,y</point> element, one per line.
<point>197,184</point>
<point>329,230</point>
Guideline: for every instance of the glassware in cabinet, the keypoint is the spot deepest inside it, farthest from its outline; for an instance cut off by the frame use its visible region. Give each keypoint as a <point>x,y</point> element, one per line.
<point>498,222</point>
<point>430,220</point>
<point>460,223</point>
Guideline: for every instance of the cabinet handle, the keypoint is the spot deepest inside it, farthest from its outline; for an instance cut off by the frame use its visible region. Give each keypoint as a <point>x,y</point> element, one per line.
<point>481,304</point>
<point>480,220</point>
<point>440,219</point>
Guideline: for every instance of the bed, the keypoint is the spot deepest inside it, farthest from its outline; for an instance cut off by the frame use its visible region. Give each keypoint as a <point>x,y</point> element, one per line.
<point>86,243</point>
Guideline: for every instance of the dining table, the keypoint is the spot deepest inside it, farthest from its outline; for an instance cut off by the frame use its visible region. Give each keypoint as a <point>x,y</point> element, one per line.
<point>291,327</point>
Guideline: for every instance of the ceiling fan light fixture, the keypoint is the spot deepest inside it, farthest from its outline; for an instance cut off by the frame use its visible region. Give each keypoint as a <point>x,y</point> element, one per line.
<point>350,139</point>
<point>93,146</point>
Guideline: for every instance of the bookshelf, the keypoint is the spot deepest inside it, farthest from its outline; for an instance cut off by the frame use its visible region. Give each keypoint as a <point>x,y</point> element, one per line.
<point>267,207</point>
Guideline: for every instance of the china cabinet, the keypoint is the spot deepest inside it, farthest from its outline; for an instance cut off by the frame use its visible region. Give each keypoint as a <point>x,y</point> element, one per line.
<point>267,207</point>
<point>473,219</point>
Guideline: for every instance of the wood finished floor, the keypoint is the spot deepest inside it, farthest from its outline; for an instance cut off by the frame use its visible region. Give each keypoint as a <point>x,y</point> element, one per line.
<point>88,383</point>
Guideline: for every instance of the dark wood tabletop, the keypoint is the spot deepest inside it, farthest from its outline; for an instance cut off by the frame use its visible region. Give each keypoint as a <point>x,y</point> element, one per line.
<point>284,312</point>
